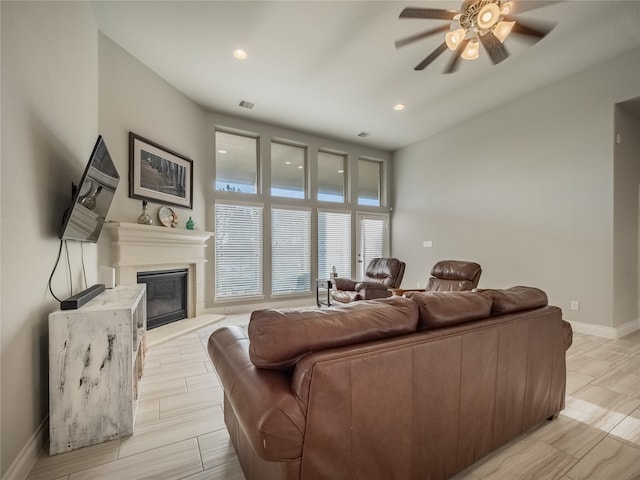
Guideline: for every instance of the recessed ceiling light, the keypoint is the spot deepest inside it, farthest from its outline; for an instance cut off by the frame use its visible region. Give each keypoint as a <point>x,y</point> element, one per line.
<point>240,54</point>
<point>399,107</point>
<point>287,162</point>
<point>222,151</point>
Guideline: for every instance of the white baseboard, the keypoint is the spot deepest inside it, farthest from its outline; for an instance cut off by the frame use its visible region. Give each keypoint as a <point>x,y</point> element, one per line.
<point>628,328</point>
<point>606,332</point>
<point>22,465</point>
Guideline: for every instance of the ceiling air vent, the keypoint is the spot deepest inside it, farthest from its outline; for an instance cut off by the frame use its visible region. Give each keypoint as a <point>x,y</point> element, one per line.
<point>245,104</point>
<point>363,134</point>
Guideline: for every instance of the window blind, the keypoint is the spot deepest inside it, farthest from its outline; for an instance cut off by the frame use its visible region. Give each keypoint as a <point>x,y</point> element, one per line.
<point>290,251</point>
<point>238,250</point>
<point>334,244</point>
<point>373,236</point>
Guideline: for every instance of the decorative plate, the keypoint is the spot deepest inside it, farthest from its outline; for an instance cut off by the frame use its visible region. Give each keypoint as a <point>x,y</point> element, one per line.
<point>167,217</point>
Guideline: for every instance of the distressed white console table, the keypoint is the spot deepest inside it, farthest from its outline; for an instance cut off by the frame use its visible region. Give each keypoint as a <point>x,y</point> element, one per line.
<point>96,356</point>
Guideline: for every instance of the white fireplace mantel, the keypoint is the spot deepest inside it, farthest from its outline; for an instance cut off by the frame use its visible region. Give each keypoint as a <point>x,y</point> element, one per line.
<point>144,248</point>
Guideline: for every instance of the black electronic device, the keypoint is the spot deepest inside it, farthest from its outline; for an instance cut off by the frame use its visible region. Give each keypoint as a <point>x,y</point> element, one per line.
<point>92,198</point>
<point>80,298</point>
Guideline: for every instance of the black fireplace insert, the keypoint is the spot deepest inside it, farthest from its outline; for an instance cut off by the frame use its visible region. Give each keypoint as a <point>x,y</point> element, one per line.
<point>166,296</point>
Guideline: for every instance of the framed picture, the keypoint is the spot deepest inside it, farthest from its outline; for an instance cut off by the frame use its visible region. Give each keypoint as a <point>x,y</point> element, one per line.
<point>159,175</point>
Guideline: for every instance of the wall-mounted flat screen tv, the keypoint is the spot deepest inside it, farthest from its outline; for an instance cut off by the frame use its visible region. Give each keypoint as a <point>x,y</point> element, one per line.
<point>92,197</point>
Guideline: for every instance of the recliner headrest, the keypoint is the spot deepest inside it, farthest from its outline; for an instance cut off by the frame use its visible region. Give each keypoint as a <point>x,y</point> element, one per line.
<point>381,268</point>
<point>456,270</point>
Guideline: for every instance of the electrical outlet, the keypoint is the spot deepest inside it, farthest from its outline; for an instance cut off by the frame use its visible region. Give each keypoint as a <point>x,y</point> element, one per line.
<point>427,243</point>
<point>575,305</point>
<point>228,310</point>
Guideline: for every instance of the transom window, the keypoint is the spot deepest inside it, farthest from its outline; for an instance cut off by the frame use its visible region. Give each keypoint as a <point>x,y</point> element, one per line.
<point>288,170</point>
<point>236,163</point>
<point>331,176</point>
<point>369,182</point>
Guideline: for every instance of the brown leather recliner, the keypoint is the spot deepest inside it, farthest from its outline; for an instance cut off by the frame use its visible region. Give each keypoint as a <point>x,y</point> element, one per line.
<point>381,275</point>
<point>449,276</point>
<point>453,276</point>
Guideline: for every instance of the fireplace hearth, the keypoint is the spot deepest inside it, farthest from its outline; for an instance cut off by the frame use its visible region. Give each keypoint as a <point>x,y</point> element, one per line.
<point>166,296</point>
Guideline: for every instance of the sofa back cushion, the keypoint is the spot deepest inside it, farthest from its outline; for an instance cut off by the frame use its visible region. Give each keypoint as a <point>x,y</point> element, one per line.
<point>514,299</point>
<point>443,309</point>
<point>279,338</point>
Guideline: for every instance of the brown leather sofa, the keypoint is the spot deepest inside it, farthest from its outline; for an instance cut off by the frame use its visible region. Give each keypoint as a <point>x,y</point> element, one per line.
<point>398,388</point>
<point>381,275</point>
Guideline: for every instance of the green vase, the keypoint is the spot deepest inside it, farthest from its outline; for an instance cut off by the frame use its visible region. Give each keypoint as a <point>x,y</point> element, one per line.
<point>190,224</point>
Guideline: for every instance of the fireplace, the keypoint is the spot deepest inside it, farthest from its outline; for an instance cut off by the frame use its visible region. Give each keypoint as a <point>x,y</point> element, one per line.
<point>140,249</point>
<point>166,296</point>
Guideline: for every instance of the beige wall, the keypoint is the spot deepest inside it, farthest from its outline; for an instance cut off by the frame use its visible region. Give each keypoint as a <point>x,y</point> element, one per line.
<point>49,126</point>
<point>526,190</point>
<point>133,98</point>
<point>626,197</point>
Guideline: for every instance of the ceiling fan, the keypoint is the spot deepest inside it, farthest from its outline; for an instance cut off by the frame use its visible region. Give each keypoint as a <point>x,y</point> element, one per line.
<point>480,22</point>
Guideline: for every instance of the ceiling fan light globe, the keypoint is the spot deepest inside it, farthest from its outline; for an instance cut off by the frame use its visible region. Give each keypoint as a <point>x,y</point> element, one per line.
<point>472,51</point>
<point>488,16</point>
<point>505,8</point>
<point>502,30</point>
<point>454,38</point>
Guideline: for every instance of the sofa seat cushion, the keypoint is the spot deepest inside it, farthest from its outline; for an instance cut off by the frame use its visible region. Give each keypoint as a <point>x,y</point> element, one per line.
<point>279,338</point>
<point>514,299</point>
<point>443,309</point>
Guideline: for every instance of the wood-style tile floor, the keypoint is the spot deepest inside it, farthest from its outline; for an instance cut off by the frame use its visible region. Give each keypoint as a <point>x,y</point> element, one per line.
<point>180,432</point>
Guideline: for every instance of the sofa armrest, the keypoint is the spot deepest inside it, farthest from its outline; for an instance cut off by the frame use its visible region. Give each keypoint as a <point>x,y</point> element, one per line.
<point>371,286</point>
<point>344,284</point>
<point>401,291</point>
<point>568,334</point>
<point>261,399</point>
<point>374,293</point>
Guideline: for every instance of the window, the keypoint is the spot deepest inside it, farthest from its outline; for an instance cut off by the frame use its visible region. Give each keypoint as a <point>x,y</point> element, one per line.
<point>236,163</point>
<point>372,240</point>
<point>369,182</point>
<point>334,244</point>
<point>288,209</point>
<point>238,251</point>
<point>331,168</point>
<point>290,251</point>
<point>287,170</point>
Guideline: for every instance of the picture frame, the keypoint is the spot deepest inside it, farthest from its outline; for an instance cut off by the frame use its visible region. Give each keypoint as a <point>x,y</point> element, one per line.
<point>158,174</point>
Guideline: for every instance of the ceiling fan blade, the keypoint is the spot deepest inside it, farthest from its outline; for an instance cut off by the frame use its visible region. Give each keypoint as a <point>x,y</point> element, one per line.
<point>494,47</point>
<point>433,13</point>
<point>453,64</point>
<point>538,30</point>
<point>435,54</point>
<point>525,6</point>
<point>419,36</point>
